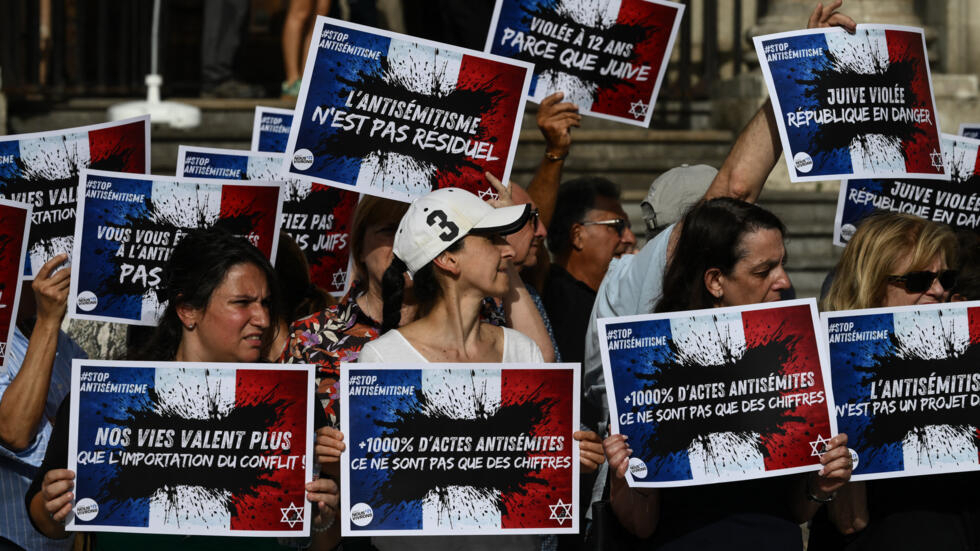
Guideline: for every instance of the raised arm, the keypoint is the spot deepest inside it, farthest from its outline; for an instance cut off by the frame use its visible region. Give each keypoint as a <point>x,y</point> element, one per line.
<point>758,148</point>
<point>555,120</point>
<point>22,403</point>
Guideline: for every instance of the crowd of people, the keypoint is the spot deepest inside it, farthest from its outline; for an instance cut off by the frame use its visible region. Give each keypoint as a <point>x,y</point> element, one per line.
<point>451,278</point>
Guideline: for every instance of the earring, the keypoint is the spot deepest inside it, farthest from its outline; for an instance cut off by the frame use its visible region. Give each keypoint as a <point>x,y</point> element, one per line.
<point>191,327</point>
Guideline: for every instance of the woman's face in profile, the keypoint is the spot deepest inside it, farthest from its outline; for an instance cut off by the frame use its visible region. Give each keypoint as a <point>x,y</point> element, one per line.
<point>897,294</point>
<point>232,325</point>
<point>484,263</point>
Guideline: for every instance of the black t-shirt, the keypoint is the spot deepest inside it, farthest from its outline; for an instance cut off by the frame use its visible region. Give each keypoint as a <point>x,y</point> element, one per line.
<point>568,302</point>
<point>753,516</point>
<point>939,512</point>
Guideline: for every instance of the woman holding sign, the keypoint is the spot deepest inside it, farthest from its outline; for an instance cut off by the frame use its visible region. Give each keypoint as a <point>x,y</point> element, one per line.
<point>729,253</point>
<point>898,260</point>
<point>221,294</point>
<point>451,242</point>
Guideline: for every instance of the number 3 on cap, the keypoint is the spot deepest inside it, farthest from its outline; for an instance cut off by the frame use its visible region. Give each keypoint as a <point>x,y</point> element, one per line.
<point>438,218</point>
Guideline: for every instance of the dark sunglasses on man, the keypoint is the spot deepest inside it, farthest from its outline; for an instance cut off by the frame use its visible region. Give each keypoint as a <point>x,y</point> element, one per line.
<point>919,282</point>
<point>618,224</point>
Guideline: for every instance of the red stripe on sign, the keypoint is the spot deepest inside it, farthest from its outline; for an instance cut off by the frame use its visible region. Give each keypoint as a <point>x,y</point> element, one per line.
<point>257,205</point>
<point>907,46</point>
<point>531,507</point>
<point>286,491</point>
<point>791,446</point>
<point>329,250</point>
<point>659,21</point>
<point>973,315</point>
<point>12,222</point>
<point>496,128</point>
<point>119,148</point>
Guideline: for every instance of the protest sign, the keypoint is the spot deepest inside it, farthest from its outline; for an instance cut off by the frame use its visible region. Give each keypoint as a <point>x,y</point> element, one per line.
<point>316,216</point>
<point>956,202</point>
<point>42,169</point>
<point>191,448</point>
<point>15,225</point>
<point>129,225</point>
<point>395,116</point>
<point>907,387</point>
<point>968,130</point>
<point>270,130</point>
<point>609,60</point>
<point>454,449</point>
<point>718,395</point>
<point>853,106</point>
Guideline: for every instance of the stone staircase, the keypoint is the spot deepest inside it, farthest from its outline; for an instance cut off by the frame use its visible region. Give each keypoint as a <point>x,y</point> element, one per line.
<point>630,156</point>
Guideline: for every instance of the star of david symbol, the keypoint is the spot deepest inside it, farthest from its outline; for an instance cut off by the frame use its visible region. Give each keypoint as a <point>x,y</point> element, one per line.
<point>561,512</point>
<point>291,515</point>
<point>937,159</point>
<point>638,109</point>
<point>818,445</point>
<point>488,194</point>
<point>339,278</point>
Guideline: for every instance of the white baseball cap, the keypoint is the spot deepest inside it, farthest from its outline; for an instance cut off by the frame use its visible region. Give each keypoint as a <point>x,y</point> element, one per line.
<point>437,220</point>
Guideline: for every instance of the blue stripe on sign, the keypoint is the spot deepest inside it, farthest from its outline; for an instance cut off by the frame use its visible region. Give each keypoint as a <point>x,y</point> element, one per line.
<point>850,388</point>
<point>786,77</point>
<point>97,266</point>
<point>368,415</point>
<point>109,410</point>
<point>326,91</point>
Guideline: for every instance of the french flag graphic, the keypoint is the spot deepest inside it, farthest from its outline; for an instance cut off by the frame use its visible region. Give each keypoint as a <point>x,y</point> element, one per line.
<point>709,397</point>
<point>593,40</point>
<point>42,169</point>
<point>315,215</point>
<point>190,450</point>
<point>447,437</point>
<point>948,202</point>
<point>907,389</point>
<point>130,225</point>
<point>390,115</point>
<point>863,130</point>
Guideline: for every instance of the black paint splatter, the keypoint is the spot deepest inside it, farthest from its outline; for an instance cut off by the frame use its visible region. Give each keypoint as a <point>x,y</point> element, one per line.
<point>214,483</point>
<point>186,215</point>
<point>57,178</point>
<point>399,86</point>
<point>685,369</point>
<point>433,420</point>
<point>905,360</point>
<point>838,73</point>
<point>587,20</point>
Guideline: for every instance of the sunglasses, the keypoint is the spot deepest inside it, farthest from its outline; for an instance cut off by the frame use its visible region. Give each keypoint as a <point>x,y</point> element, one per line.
<point>535,219</point>
<point>919,282</point>
<point>618,224</point>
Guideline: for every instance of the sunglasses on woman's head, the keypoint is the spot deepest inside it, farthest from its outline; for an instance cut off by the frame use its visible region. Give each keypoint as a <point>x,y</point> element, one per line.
<point>919,282</point>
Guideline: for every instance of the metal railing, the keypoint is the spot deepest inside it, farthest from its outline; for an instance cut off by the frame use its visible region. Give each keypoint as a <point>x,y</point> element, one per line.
<point>93,47</point>
<point>101,48</point>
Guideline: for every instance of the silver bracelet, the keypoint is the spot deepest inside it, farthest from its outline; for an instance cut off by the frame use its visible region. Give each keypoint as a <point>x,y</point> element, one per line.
<point>813,497</point>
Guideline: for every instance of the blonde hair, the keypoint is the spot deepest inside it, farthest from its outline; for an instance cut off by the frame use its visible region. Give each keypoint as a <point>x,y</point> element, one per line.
<point>371,210</point>
<point>882,241</point>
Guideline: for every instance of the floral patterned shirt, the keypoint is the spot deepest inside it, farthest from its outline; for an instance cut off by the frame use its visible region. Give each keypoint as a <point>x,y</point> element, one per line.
<point>327,338</point>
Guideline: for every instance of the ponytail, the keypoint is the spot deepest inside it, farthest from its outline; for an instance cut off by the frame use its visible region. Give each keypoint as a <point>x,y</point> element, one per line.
<point>393,291</point>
